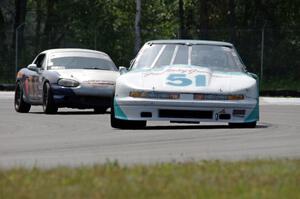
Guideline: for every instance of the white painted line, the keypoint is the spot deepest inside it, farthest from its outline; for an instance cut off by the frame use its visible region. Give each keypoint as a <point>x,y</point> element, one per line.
<point>6,95</point>
<point>279,101</point>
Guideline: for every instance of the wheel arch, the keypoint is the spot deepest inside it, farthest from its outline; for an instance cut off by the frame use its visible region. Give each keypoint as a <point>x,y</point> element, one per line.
<point>46,81</point>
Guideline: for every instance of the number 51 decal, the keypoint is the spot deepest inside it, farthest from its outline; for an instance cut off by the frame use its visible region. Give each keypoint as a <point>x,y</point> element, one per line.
<point>182,80</point>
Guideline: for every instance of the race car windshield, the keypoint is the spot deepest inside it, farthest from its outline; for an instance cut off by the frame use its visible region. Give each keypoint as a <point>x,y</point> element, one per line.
<point>218,58</point>
<point>80,62</point>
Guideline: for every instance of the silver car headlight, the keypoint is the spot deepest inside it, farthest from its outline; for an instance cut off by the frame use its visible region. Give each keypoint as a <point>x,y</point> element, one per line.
<point>68,83</point>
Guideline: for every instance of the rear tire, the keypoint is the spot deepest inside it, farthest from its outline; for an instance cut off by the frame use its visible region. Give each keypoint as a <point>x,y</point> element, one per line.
<point>243,125</point>
<point>125,124</point>
<point>20,105</point>
<point>49,106</point>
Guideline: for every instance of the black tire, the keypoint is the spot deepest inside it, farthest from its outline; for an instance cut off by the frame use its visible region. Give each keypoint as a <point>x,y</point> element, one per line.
<point>243,125</point>
<point>125,124</point>
<point>20,105</point>
<point>49,106</point>
<point>100,110</point>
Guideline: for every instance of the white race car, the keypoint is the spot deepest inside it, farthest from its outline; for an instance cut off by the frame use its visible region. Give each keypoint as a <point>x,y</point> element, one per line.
<point>188,81</point>
<point>74,78</point>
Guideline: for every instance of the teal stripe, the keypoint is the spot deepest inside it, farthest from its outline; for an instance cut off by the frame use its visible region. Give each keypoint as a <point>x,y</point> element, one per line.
<point>254,115</point>
<point>119,112</point>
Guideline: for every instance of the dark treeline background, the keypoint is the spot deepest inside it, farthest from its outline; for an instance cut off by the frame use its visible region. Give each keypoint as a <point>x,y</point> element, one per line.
<point>109,26</point>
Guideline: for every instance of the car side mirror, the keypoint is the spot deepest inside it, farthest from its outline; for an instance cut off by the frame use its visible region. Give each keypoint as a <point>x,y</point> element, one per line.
<point>122,70</point>
<point>32,67</point>
<point>253,75</point>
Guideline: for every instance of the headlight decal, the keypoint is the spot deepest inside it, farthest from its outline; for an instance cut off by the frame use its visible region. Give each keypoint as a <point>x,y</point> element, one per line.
<point>174,96</point>
<point>68,83</point>
<point>201,96</point>
<point>153,95</point>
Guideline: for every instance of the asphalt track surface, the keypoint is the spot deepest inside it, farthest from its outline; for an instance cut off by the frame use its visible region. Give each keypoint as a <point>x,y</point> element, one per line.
<point>75,137</point>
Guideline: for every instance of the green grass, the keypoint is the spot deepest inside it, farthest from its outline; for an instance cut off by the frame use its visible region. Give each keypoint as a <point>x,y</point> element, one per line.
<point>206,179</point>
<point>275,84</point>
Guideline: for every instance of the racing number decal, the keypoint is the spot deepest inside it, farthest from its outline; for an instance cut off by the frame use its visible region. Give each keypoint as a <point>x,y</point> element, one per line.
<point>182,80</point>
<point>200,80</point>
<point>178,80</point>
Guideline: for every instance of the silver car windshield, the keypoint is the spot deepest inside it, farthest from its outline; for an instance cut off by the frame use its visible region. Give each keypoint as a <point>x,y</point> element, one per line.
<point>218,58</point>
<point>80,61</point>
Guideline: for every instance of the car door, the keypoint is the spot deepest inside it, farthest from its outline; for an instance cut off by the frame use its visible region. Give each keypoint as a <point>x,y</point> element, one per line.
<point>35,79</point>
<point>42,68</point>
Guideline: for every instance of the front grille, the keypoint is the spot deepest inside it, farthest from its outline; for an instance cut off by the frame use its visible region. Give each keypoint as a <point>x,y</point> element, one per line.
<point>224,116</point>
<point>85,102</point>
<point>146,114</point>
<point>165,113</point>
<point>239,112</point>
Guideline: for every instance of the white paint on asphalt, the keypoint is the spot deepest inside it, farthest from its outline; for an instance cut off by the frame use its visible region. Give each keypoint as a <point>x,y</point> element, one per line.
<point>279,101</point>
<point>6,95</point>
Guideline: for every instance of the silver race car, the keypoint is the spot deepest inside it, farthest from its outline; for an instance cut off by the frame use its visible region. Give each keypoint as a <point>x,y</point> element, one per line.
<point>74,78</point>
<point>186,81</point>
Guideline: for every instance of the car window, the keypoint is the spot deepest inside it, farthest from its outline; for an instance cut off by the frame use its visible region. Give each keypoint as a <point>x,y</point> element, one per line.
<point>181,55</point>
<point>148,55</point>
<point>166,56</point>
<point>214,57</point>
<point>80,61</point>
<point>40,60</point>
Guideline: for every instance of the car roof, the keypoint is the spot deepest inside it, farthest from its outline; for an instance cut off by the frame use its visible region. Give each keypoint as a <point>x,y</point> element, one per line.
<point>190,42</point>
<point>62,50</point>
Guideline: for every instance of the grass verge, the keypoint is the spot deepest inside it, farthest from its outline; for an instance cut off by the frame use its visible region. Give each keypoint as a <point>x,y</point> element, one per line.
<point>275,84</point>
<point>205,179</point>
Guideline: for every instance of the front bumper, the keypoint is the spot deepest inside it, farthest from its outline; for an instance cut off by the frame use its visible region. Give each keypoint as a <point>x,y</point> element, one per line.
<point>239,111</point>
<point>82,97</point>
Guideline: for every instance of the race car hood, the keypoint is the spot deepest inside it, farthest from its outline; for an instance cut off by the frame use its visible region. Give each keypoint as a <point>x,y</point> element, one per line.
<point>188,79</point>
<point>83,75</point>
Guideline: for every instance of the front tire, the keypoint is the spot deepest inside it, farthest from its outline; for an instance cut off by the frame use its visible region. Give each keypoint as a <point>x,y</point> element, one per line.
<point>49,106</point>
<point>243,125</point>
<point>20,105</point>
<point>125,124</point>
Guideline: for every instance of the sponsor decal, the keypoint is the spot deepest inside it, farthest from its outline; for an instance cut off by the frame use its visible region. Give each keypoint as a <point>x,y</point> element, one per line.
<point>26,86</point>
<point>31,84</point>
<point>222,111</point>
<point>188,71</point>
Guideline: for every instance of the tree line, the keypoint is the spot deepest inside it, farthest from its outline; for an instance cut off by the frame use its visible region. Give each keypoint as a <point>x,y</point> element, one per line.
<point>120,27</point>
